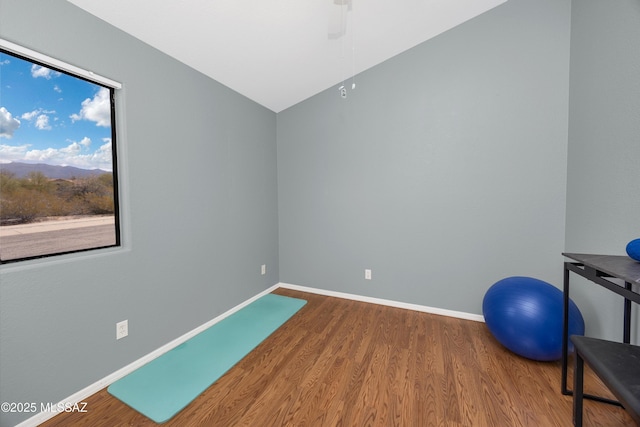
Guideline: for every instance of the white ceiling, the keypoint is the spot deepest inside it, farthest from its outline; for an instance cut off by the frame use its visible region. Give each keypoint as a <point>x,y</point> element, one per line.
<point>278,52</point>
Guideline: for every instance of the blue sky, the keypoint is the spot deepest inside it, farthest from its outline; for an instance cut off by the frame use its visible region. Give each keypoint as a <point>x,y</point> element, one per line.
<point>50,117</point>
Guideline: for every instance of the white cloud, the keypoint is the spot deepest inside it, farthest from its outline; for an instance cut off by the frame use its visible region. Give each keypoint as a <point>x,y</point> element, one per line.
<point>8,123</point>
<point>30,115</point>
<point>104,156</point>
<point>97,110</point>
<point>10,153</point>
<point>101,158</point>
<point>40,116</point>
<point>49,155</point>
<point>75,154</point>
<point>42,122</point>
<point>72,150</point>
<point>57,89</point>
<point>44,72</point>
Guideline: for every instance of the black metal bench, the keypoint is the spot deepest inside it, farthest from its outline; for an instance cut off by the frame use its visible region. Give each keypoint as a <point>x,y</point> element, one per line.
<point>616,364</point>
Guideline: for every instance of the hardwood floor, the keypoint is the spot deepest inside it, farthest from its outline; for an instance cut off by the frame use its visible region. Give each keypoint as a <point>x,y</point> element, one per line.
<point>345,363</point>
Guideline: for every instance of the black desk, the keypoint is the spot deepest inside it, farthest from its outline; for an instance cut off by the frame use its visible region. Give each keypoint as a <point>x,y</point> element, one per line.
<point>600,269</point>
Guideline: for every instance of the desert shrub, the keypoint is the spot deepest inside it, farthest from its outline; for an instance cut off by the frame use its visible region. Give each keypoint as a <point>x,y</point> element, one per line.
<point>36,196</point>
<point>8,183</point>
<point>24,205</point>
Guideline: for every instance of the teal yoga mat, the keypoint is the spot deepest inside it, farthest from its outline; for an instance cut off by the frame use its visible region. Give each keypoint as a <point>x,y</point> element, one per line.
<point>164,386</point>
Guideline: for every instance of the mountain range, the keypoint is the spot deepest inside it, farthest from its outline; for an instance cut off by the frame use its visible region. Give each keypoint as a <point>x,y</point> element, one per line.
<point>22,170</point>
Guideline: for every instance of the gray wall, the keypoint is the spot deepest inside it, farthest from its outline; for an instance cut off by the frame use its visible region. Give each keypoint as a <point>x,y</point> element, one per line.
<point>443,172</point>
<point>201,210</point>
<point>603,187</point>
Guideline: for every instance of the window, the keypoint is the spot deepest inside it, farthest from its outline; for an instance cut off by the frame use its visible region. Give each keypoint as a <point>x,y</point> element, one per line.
<point>58,168</point>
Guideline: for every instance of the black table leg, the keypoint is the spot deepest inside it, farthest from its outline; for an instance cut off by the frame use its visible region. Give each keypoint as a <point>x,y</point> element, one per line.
<point>565,330</point>
<point>578,385</point>
<point>627,316</point>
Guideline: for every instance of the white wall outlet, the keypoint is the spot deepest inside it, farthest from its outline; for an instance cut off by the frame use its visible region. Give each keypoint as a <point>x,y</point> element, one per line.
<point>263,269</point>
<point>122,329</point>
<point>367,274</point>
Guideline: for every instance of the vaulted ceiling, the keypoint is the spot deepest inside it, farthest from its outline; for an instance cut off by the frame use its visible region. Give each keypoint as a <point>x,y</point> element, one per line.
<point>280,52</point>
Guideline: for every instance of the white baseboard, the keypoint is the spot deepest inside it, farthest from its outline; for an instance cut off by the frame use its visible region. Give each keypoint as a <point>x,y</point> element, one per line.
<point>81,395</point>
<point>390,303</point>
<point>110,379</point>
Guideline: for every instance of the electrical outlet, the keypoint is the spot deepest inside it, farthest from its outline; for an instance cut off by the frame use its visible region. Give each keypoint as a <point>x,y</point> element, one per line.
<point>367,274</point>
<point>122,329</point>
<point>263,269</point>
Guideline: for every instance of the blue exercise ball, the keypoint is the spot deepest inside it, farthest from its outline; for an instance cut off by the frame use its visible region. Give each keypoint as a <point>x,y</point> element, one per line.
<point>526,315</point>
<point>633,249</point>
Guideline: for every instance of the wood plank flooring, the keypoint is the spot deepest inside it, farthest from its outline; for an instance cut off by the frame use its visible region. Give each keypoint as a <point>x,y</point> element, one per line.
<point>345,363</point>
